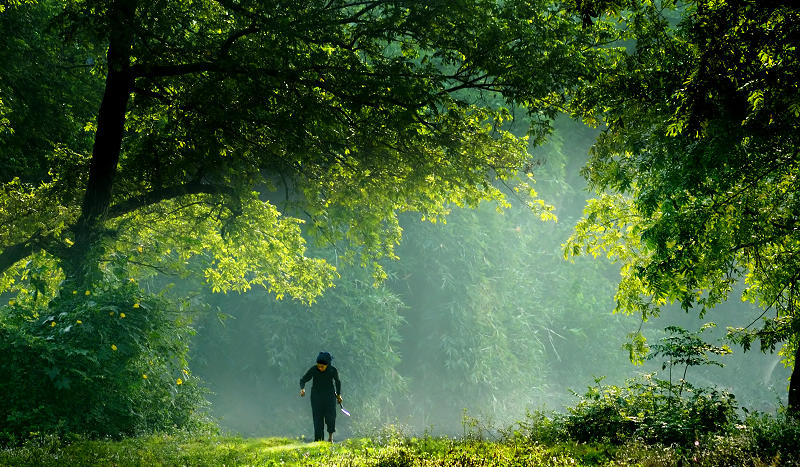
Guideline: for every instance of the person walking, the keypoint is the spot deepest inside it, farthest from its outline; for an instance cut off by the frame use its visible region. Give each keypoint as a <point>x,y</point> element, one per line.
<point>326,391</point>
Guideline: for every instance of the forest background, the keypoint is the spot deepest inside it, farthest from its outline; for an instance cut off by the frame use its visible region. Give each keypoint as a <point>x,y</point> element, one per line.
<point>481,314</point>
<point>211,192</point>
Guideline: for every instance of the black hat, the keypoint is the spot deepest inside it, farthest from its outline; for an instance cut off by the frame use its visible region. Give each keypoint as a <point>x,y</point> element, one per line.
<point>324,358</point>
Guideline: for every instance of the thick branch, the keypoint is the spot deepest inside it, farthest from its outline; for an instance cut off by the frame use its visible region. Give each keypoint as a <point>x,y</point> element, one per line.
<point>226,47</point>
<point>163,194</point>
<point>157,71</point>
<point>12,254</point>
<point>182,69</point>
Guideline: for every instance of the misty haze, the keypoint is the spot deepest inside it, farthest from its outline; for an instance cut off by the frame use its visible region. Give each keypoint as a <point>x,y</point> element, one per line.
<point>394,233</point>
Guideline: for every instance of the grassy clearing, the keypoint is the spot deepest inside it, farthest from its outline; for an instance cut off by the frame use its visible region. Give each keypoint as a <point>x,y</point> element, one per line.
<point>546,440</point>
<point>396,452</point>
<point>230,451</point>
<point>166,451</point>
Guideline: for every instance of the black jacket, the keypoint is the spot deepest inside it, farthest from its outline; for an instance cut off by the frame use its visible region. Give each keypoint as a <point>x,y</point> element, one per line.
<point>326,383</point>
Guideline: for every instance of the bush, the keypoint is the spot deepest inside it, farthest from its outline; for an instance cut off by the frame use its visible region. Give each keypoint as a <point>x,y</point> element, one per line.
<point>106,362</point>
<point>761,440</point>
<point>648,409</point>
<point>652,410</point>
<point>775,437</point>
<point>538,427</point>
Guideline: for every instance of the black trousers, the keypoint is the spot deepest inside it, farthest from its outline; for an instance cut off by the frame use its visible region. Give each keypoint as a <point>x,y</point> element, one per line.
<point>323,410</point>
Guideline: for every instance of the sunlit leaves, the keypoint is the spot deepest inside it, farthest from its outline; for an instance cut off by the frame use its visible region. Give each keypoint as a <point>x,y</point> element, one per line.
<point>362,196</point>
<point>29,209</point>
<point>702,143</point>
<point>248,127</point>
<point>257,246</point>
<point>357,113</point>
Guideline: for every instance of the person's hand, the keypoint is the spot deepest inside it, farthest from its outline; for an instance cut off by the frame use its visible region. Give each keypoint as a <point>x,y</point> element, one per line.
<point>339,398</point>
<point>302,393</point>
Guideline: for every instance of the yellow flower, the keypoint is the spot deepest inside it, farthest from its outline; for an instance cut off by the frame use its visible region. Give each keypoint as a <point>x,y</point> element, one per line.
<point>113,347</point>
<point>79,322</point>
<point>139,248</point>
<point>87,293</point>
<point>132,279</point>
<point>53,324</point>
<point>74,292</point>
<point>136,305</point>
<point>179,381</point>
<point>11,302</point>
<point>144,376</point>
<point>122,315</point>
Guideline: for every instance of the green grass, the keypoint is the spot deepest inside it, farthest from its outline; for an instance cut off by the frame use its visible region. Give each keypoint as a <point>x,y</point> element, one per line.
<point>230,451</point>
<point>388,451</point>
<point>166,451</point>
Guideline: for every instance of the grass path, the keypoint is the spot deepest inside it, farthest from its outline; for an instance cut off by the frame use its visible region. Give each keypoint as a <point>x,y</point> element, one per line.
<point>172,451</point>
<point>231,451</point>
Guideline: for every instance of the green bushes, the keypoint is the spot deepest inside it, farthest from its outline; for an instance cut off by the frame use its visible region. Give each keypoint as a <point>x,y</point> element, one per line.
<point>652,410</point>
<point>647,409</point>
<point>759,440</point>
<point>649,421</point>
<point>774,437</point>
<point>104,362</point>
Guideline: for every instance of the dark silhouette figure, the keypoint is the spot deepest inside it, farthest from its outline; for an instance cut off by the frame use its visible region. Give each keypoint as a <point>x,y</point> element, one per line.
<point>325,393</point>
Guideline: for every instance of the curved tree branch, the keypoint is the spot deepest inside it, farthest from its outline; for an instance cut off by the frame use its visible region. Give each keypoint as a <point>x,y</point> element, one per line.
<point>154,197</point>
<point>12,254</point>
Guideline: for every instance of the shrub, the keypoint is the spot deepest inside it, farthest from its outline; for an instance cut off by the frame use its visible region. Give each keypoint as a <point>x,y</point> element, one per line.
<point>646,408</point>
<point>652,410</point>
<point>539,427</point>
<point>105,362</point>
<point>775,437</point>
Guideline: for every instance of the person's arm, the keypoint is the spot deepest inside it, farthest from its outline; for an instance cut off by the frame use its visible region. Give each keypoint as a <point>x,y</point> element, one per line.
<point>306,378</point>
<point>338,385</point>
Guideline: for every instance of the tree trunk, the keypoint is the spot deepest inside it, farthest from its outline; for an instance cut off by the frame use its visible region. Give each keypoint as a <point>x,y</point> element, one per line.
<point>82,264</point>
<point>794,385</point>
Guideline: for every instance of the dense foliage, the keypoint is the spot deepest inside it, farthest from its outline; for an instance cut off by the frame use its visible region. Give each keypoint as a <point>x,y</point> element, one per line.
<point>215,140</point>
<point>212,139</point>
<point>696,170</point>
<point>473,319</point>
<point>350,113</point>
<point>463,307</point>
<point>105,362</point>
<point>651,410</point>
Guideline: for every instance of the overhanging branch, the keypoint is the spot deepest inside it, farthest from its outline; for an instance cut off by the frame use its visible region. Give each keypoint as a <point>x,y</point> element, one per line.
<point>163,194</point>
<point>12,254</point>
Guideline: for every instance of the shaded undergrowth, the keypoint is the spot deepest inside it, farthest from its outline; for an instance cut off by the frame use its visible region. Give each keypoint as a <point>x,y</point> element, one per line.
<point>644,422</point>
<point>539,440</point>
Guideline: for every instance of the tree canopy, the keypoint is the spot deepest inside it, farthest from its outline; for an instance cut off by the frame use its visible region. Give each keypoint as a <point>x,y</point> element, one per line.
<point>697,167</point>
<point>215,139</point>
<point>230,131</point>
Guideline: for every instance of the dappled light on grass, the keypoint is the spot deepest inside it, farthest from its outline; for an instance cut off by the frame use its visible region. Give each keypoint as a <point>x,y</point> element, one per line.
<point>542,439</point>
<point>165,450</point>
